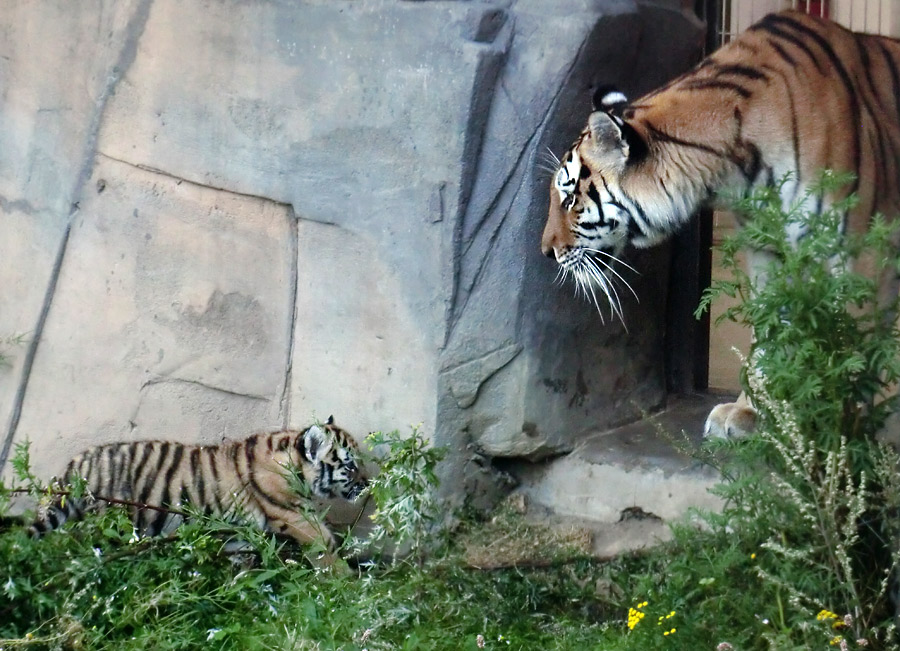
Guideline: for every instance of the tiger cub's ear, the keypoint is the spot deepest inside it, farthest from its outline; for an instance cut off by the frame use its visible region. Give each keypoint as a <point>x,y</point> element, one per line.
<point>607,147</point>
<point>316,444</point>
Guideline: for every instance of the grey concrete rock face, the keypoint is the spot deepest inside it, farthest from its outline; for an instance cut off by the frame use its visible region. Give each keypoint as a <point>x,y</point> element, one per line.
<point>170,318</point>
<point>222,217</point>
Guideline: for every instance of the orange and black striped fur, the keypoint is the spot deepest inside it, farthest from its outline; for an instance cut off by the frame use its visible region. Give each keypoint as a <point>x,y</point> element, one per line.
<point>254,480</point>
<point>793,95</point>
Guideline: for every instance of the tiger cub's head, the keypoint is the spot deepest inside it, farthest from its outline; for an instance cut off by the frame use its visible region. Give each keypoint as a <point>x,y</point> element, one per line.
<point>591,220</point>
<point>332,453</point>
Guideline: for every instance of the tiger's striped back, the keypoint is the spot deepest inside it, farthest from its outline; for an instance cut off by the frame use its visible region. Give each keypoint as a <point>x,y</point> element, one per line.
<point>793,95</point>
<point>249,479</point>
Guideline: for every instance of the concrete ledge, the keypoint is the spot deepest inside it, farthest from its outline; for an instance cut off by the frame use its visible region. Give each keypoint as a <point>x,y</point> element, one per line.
<point>625,485</point>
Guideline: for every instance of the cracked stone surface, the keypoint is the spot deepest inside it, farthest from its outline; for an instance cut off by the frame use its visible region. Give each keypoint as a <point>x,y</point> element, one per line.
<point>144,299</point>
<point>223,217</point>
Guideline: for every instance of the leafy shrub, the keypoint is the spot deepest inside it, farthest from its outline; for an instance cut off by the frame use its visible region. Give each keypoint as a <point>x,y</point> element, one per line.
<point>404,492</point>
<point>822,339</point>
<point>824,504</point>
<point>804,551</point>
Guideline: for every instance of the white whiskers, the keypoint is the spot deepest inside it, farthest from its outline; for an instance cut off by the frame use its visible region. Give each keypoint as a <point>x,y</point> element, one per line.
<point>594,269</point>
<point>548,162</point>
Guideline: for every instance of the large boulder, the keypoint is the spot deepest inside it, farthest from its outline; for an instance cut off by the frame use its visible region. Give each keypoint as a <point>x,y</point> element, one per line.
<point>217,218</point>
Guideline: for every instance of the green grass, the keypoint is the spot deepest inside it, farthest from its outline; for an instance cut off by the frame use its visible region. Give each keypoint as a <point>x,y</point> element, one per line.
<point>90,587</point>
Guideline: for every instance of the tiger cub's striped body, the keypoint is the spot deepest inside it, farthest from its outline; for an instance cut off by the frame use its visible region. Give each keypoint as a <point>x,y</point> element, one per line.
<point>250,479</point>
<point>793,95</point>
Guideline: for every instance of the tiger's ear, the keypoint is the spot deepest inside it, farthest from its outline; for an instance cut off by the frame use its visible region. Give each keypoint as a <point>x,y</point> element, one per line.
<point>316,444</point>
<point>609,99</point>
<point>330,420</point>
<point>608,146</point>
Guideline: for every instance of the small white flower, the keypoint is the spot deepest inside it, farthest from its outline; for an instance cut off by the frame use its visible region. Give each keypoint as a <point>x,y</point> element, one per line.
<point>98,552</point>
<point>211,634</point>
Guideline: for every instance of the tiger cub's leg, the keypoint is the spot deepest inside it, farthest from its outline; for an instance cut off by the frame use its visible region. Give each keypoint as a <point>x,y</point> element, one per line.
<point>306,530</point>
<point>53,515</point>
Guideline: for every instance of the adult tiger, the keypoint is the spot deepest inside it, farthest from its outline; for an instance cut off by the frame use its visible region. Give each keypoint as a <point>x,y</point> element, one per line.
<point>793,95</point>
<point>249,479</point>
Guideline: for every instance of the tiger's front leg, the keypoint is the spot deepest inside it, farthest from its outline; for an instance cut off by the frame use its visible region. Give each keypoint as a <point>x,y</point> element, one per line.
<point>737,419</point>
<point>731,419</point>
<point>306,529</point>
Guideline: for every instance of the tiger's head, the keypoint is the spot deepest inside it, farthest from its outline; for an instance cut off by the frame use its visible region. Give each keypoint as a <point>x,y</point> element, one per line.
<point>332,453</point>
<point>592,219</point>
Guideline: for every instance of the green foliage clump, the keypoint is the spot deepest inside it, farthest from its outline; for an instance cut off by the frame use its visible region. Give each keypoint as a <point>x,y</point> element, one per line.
<point>404,491</point>
<point>803,553</point>
<point>813,494</point>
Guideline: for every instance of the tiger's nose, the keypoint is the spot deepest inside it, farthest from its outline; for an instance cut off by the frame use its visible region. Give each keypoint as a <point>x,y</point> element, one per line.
<point>551,246</point>
<point>554,249</point>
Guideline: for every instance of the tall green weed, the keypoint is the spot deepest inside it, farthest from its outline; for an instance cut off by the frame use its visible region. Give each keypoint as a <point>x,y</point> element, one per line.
<point>813,487</point>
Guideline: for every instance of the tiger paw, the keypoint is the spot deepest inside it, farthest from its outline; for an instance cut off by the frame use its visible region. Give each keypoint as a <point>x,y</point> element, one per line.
<point>730,420</point>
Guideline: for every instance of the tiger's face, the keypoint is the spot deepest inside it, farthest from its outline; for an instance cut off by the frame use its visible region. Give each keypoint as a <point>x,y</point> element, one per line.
<point>584,217</point>
<point>590,223</point>
<point>333,454</point>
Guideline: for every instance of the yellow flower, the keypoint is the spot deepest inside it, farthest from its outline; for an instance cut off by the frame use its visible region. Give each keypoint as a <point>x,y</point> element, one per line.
<point>836,640</point>
<point>635,615</point>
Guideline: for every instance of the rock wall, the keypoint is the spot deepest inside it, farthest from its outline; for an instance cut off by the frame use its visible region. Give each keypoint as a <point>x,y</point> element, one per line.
<point>219,217</point>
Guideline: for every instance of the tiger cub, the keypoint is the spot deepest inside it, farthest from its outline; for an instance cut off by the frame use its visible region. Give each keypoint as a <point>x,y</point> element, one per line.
<point>250,480</point>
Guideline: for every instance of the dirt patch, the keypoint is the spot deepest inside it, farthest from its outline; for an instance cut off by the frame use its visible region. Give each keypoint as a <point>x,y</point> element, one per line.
<point>509,540</point>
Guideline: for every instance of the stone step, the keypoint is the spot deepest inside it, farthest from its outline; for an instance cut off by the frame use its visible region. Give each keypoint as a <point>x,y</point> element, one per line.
<point>625,485</point>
